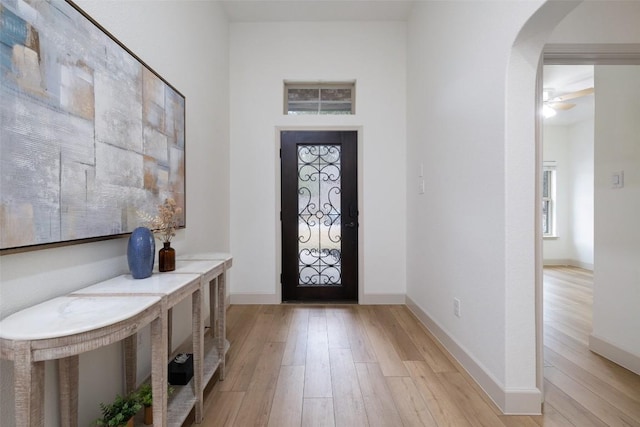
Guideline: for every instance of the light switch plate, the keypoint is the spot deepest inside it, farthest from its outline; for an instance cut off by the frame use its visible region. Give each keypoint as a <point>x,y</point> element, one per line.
<point>617,179</point>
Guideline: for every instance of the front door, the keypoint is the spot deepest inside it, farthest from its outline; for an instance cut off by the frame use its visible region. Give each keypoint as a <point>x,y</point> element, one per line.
<point>319,215</point>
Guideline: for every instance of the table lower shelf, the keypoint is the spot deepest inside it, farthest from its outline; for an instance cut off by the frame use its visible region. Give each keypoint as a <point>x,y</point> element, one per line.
<point>183,399</point>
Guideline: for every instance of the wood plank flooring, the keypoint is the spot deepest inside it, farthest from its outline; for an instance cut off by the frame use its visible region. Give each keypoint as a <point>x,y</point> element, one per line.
<point>350,365</point>
<point>581,388</point>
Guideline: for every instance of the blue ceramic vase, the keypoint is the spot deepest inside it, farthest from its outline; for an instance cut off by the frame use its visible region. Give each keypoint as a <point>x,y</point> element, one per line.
<point>141,252</point>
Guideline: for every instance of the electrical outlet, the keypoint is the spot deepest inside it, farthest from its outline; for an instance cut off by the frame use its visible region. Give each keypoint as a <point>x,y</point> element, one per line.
<point>456,307</point>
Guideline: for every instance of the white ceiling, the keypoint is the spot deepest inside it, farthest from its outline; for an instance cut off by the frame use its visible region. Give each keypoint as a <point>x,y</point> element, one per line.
<point>317,10</point>
<point>570,78</point>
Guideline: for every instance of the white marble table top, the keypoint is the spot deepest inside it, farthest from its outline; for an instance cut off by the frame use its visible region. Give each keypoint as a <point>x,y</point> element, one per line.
<point>156,284</point>
<point>205,256</point>
<point>70,315</point>
<point>196,267</point>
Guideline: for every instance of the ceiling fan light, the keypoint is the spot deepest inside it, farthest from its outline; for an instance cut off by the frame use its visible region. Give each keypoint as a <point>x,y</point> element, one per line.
<point>548,111</point>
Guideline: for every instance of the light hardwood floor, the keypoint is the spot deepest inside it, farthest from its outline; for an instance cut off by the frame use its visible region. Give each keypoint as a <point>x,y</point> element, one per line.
<point>348,365</point>
<point>581,388</point>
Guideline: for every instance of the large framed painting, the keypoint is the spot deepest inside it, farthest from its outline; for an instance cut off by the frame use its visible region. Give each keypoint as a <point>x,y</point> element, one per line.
<point>90,136</point>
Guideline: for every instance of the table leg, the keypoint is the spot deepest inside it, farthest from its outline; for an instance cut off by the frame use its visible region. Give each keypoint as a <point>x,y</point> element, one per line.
<point>197,328</point>
<point>213,314</point>
<point>222,280</point>
<point>130,363</point>
<point>28,387</point>
<point>169,332</point>
<point>159,357</point>
<point>68,368</point>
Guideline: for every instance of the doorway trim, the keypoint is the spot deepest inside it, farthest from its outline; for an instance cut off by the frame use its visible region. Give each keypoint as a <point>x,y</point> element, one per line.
<point>564,54</point>
<point>278,202</point>
<point>587,54</point>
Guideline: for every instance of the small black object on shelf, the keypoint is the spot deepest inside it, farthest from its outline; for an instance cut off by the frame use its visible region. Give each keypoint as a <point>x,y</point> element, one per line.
<point>181,369</point>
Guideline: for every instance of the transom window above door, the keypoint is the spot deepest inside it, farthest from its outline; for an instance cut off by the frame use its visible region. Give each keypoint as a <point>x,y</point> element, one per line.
<point>319,98</point>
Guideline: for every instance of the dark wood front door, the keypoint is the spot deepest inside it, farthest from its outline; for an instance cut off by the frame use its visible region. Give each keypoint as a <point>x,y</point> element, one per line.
<point>319,215</point>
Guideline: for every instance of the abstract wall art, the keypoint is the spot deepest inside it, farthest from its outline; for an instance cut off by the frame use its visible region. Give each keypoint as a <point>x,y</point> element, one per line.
<point>89,134</point>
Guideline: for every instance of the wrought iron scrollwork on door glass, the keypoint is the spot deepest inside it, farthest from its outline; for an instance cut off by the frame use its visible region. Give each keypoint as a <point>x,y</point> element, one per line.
<point>319,218</point>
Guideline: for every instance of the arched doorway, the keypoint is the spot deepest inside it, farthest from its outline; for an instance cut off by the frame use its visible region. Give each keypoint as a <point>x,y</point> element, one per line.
<point>523,147</point>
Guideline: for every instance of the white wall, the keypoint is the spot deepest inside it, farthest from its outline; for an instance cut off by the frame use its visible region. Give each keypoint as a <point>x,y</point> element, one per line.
<point>473,235</point>
<point>599,22</point>
<point>187,43</point>
<point>616,318</point>
<point>262,56</point>
<point>457,230</point>
<point>581,170</point>
<point>571,147</point>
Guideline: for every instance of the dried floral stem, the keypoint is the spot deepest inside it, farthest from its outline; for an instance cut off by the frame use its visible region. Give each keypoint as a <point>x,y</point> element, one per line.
<point>164,224</point>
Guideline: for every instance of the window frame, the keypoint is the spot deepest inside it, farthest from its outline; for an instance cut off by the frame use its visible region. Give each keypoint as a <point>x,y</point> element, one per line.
<point>319,86</point>
<point>549,173</point>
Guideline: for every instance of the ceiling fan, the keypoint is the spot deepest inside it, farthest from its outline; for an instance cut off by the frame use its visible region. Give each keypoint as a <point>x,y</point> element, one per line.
<point>553,102</point>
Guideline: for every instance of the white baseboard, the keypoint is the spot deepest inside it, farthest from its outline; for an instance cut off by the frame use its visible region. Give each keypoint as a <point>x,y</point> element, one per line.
<point>377,299</point>
<point>511,402</point>
<point>585,265</point>
<point>617,355</point>
<point>554,262</point>
<point>369,299</point>
<point>569,262</point>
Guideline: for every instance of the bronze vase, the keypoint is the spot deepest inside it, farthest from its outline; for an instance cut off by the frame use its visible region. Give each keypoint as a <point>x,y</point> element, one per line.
<point>167,258</point>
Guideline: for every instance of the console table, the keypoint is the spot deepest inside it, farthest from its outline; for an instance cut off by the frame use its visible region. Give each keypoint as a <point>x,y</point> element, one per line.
<point>62,328</point>
<point>113,304</point>
<point>217,317</point>
<point>171,289</point>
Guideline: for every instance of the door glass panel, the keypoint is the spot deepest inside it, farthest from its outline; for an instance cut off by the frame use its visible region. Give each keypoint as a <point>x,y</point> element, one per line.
<point>319,219</point>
